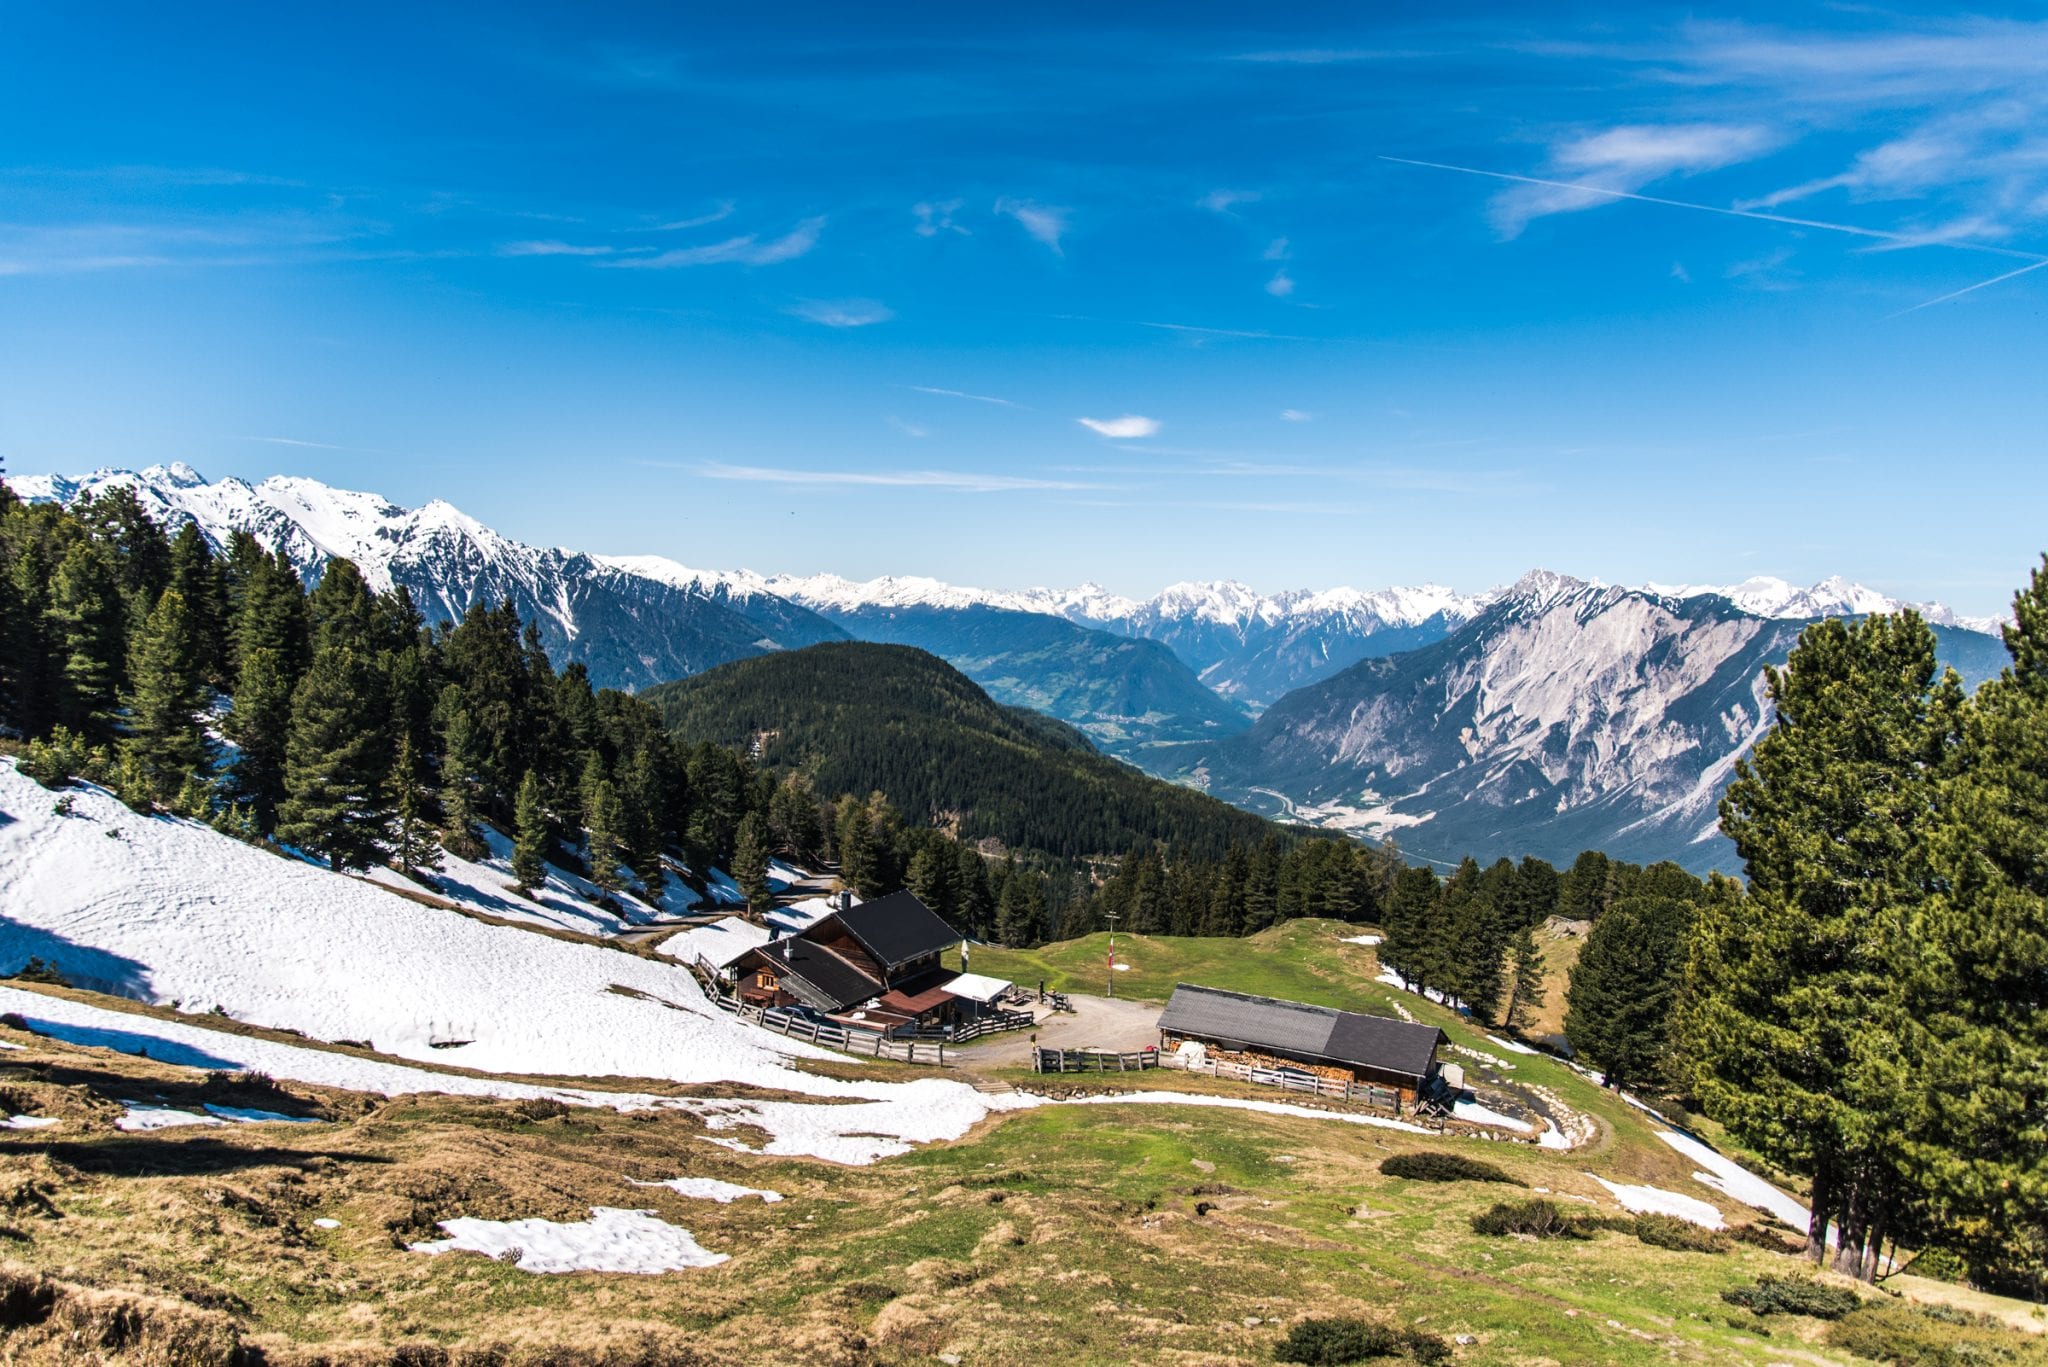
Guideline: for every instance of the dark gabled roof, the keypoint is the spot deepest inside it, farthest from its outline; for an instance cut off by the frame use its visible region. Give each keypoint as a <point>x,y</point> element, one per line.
<point>817,977</point>
<point>896,929</point>
<point>1301,1031</point>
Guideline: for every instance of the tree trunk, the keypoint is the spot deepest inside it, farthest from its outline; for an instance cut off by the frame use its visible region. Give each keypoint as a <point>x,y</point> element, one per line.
<point>1855,1229</point>
<point>1817,1223</point>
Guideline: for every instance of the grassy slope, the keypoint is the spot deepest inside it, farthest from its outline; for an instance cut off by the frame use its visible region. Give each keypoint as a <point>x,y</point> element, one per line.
<point>1065,1234</point>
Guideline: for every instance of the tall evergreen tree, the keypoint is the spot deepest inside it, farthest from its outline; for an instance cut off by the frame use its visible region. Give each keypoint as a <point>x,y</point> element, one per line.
<point>1022,911</point>
<point>530,835</point>
<point>604,843</point>
<point>413,846</point>
<point>196,575</point>
<point>166,743</point>
<point>336,761</point>
<point>1976,977</point>
<point>462,783</point>
<point>1794,1017</point>
<point>1623,989</point>
<point>89,622</point>
<point>1526,989</point>
<point>750,863</point>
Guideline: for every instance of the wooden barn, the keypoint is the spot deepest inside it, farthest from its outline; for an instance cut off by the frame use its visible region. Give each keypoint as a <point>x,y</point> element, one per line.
<point>1265,1032</point>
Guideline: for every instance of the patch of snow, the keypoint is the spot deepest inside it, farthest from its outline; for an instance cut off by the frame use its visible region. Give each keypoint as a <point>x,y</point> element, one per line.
<point>1360,939</point>
<point>325,1222</point>
<point>1121,968</point>
<point>1552,1137</point>
<point>611,1240</point>
<point>719,886</point>
<point>719,943</point>
<point>248,1117</point>
<point>139,1117</point>
<point>1657,1201</point>
<point>1512,1046</point>
<point>1729,1177</point>
<point>28,1122</point>
<point>1477,1114</point>
<point>798,916</point>
<point>711,1189</point>
<point>1230,1103</point>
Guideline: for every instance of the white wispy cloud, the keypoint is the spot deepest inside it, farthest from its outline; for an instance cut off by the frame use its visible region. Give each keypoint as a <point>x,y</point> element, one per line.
<point>843,313</point>
<point>552,248</point>
<point>935,218</point>
<point>962,394</point>
<point>719,214</point>
<point>954,481</point>
<point>1128,426</point>
<point>1277,250</point>
<point>1294,415</point>
<point>748,250</point>
<point>294,441</point>
<point>1626,158</point>
<point>1222,201</point>
<point>909,429</point>
<point>1045,222</point>
<point>1854,230</point>
<point>1281,285</point>
<point>1317,56</point>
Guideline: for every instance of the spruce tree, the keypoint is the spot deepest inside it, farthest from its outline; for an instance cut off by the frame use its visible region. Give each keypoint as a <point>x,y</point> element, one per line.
<point>1022,911</point>
<point>1795,1016</point>
<point>336,805</point>
<point>604,846</point>
<point>1618,1006</point>
<point>1526,990</point>
<point>530,836</point>
<point>413,847</point>
<point>750,863</point>
<point>462,798</point>
<point>165,743</point>
<point>930,876</point>
<point>196,575</point>
<point>1976,977</point>
<point>89,623</point>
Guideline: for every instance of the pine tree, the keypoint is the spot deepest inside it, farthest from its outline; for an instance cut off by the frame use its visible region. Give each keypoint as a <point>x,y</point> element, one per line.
<point>89,622</point>
<point>462,798</point>
<point>648,836</point>
<point>1410,916</point>
<point>1977,977</point>
<point>1526,990</point>
<point>1582,891</point>
<point>1794,1021</point>
<point>750,863</point>
<point>165,743</point>
<point>413,847</point>
<point>29,659</point>
<point>1021,912</point>
<point>1623,988</point>
<point>530,836</point>
<point>605,847</point>
<point>930,876</point>
<point>336,761</point>
<point>196,575</point>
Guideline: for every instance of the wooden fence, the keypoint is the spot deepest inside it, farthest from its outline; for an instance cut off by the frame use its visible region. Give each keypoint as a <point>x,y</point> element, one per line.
<point>1357,1093</point>
<point>1092,1061</point>
<point>829,1034</point>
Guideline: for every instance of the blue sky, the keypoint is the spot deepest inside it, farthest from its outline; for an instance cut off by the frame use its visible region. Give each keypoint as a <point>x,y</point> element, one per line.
<point>1043,296</point>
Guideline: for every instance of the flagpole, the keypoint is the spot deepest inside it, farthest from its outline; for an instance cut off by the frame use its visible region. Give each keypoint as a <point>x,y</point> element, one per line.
<point>1111,917</point>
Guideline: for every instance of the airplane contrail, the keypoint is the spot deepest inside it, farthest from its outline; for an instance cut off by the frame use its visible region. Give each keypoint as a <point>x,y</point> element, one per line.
<point>1967,289</point>
<point>1905,239</point>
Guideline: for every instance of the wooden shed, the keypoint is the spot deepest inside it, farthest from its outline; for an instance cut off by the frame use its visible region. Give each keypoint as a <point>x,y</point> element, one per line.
<point>1267,1032</point>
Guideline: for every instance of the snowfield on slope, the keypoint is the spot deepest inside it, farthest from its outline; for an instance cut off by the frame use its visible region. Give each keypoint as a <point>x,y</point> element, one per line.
<point>172,913</point>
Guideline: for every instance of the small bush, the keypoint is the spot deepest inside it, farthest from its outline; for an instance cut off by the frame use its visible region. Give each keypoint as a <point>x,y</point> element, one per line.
<point>1334,1341</point>
<point>1926,1336</point>
<point>1794,1296</point>
<point>1539,1219</point>
<point>1766,1237</point>
<point>1426,1165</point>
<point>39,971</point>
<point>1668,1231</point>
<point>1941,1264</point>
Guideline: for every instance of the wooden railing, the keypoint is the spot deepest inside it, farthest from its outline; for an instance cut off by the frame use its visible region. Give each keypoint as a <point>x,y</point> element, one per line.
<point>828,1034</point>
<point>1357,1093</point>
<point>1092,1061</point>
<point>974,1029</point>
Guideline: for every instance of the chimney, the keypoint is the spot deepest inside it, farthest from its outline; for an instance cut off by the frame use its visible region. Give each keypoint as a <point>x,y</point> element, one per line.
<point>845,899</point>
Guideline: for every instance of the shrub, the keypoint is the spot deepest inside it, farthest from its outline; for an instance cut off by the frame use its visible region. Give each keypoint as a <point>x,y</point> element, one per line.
<point>1767,1237</point>
<point>1925,1336</point>
<point>1427,1165</point>
<point>1539,1219</point>
<point>39,971</point>
<point>1794,1296</point>
<point>1942,1264</point>
<point>1333,1341</point>
<point>1668,1231</point>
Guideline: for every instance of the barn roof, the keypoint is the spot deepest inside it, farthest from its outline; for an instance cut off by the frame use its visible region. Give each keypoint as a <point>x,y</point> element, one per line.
<point>898,928</point>
<point>1301,1031</point>
<point>817,977</point>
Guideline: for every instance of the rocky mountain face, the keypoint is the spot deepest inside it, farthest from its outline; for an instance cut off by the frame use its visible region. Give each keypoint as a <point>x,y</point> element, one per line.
<point>1566,716</point>
<point>631,630</point>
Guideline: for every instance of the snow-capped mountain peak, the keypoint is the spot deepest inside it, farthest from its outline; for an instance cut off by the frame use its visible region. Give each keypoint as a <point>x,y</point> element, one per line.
<point>1768,596</point>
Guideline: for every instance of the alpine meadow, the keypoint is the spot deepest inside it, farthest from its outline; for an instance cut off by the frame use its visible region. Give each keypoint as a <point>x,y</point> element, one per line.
<point>868,686</point>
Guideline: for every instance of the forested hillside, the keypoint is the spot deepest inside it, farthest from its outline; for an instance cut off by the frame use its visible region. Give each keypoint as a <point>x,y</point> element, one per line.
<point>862,717</point>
